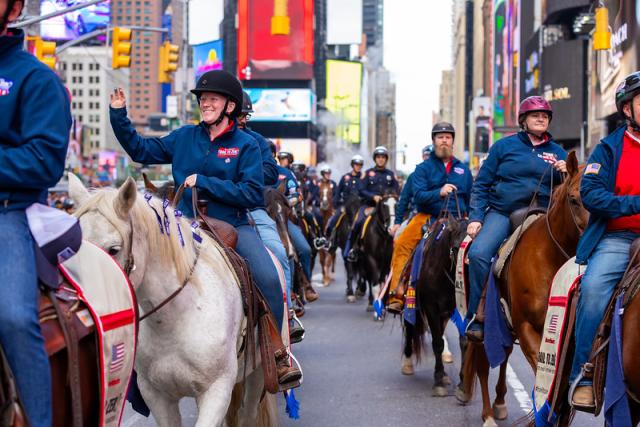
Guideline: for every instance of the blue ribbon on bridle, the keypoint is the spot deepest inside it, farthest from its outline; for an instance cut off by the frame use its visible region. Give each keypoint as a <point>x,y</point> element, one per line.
<point>178,214</point>
<point>148,198</point>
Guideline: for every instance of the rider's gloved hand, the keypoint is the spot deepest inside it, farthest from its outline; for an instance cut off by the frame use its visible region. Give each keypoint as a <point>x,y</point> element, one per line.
<point>473,229</point>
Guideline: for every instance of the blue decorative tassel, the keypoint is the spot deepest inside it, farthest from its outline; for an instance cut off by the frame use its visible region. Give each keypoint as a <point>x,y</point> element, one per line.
<point>544,417</point>
<point>377,306</point>
<point>293,406</point>
<point>460,323</point>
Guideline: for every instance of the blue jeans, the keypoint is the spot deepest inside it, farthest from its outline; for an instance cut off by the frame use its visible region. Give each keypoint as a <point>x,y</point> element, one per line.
<point>302,248</point>
<point>20,333</point>
<point>269,234</point>
<point>495,229</point>
<point>354,230</point>
<point>605,268</point>
<point>264,272</point>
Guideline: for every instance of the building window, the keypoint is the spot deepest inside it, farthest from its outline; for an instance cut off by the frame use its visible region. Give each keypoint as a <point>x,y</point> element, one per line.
<point>74,66</point>
<point>90,79</point>
<point>80,67</point>
<point>97,79</point>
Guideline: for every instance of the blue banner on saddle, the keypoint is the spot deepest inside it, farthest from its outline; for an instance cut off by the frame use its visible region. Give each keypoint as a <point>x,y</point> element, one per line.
<point>497,336</point>
<point>544,416</point>
<point>410,306</point>
<point>616,404</point>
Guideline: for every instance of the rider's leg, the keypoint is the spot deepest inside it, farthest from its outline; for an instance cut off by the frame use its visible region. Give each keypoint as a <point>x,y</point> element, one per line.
<point>402,248</point>
<point>20,333</point>
<point>604,270</point>
<point>302,247</point>
<point>354,232</point>
<point>495,229</point>
<point>269,234</point>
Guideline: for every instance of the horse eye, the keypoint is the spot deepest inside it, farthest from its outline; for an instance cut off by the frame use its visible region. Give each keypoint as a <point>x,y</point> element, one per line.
<point>114,250</point>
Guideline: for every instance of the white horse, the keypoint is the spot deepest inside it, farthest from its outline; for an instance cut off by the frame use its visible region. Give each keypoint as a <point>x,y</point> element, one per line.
<point>189,347</point>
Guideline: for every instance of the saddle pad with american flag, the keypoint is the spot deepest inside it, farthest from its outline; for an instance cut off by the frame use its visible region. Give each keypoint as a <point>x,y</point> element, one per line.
<point>564,283</point>
<point>461,284</point>
<point>104,287</point>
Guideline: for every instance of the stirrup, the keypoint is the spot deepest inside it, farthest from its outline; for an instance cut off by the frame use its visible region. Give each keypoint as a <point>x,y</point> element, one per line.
<point>319,242</point>
<point>297,383</point>
<point>572,389</point>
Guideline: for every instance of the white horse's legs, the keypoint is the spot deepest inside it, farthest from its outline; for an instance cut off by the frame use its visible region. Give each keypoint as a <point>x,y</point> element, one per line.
<point>447,357</point>
<point>213,403</point>
<point>164,409</point>
<point>253,386</point>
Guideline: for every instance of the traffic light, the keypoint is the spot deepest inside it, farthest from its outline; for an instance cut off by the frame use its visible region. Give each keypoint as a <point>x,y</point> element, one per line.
<point>168,61</point>
<point>121,48</point>
<point>44,51</point>
<point>280,21</point>
<point>602,35</point>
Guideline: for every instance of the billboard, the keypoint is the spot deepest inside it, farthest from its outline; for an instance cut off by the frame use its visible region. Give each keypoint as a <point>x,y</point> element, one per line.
<point>73,24</point>
<point>506,78</point>
<point>282,105</point>
<point>303,149</point>
<point>207,57</point>
<point>275,39</point>
<point>205,18</point>
<point>344,90</point>
<point>344,21</point>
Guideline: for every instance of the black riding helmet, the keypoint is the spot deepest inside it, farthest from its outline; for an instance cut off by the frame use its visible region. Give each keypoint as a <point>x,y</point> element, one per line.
<point>442,127</point>
<point>626,91</point>
<point>224,83</point>
<point>247,105</point>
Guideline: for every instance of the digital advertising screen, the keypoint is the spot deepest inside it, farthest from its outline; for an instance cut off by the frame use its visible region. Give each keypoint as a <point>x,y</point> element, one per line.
<point>282,105</point>
<point>344,89</point>
<point>275,39</point>
<point>73,24</point>
<point>207,57</point>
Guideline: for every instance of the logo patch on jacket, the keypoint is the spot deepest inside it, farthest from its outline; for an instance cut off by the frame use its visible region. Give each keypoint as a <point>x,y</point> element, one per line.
<point>281,177</point>
<point>227,153</point>
<point>458,170</point>
<point>592,168</point>
<point>388,177</point>
<point>346,177</point>
<point>372,173</point>
<point>548,157</point>
<point>5,85</point>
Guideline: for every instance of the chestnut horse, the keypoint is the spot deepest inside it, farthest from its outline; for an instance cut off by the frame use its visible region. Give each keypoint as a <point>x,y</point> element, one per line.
<point>526,282</point>
<point>327,258</point>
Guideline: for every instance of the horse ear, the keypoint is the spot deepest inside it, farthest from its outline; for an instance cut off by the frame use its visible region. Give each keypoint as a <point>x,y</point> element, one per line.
<point>77,191</point>
<point>148,184</point>
<point>572,164</point>
<point>126,198</point>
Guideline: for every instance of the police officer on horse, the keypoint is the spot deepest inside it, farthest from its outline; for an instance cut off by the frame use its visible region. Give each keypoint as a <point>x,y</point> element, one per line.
<point>34,132</point>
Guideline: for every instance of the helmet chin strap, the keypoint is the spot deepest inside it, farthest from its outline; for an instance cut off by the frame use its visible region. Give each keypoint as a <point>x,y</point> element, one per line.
<point>222,115</point>
<point>526,129</point>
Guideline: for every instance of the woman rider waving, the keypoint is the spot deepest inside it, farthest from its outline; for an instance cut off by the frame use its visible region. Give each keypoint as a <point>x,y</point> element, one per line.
<point>507,181</point>
<point>225,165</point>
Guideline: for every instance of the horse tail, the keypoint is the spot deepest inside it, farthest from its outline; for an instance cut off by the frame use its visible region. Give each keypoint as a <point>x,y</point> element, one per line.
<point>416,336</point>
<point>268,412</point>
<point>470,368</point>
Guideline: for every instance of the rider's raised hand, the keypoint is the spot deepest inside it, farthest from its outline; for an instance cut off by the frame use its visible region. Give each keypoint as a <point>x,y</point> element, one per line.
<point>446,189</point>
<point>377,198</point>
<point>560,166</point>
<point>190,181</point>
<point>117,98</point>
<point>473,229</point>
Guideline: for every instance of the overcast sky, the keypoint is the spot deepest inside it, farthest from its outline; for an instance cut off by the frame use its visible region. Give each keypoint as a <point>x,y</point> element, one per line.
<point>417,47</point>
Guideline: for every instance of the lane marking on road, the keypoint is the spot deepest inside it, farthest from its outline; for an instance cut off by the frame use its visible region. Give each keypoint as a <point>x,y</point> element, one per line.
<point>518,390</point>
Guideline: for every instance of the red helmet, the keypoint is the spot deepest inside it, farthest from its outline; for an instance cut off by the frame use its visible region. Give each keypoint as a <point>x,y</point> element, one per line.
<point>533,104</point>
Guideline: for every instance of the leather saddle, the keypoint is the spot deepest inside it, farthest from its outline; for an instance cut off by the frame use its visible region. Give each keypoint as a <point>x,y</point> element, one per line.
<point>518,217</point>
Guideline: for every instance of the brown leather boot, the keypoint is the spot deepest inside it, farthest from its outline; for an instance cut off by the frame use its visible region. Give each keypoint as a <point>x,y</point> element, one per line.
<point>583,397</point>
<point>310,294</point>
<point>288,376</point>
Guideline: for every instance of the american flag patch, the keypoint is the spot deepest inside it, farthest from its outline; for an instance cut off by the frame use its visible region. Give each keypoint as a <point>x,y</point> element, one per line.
<point>117,357</point>
<point>553,324</point>
<point>592,168</point>
<point>549,157</point>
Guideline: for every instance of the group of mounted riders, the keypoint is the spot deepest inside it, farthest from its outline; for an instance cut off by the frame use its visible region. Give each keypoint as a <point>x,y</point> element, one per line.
<point>230,166</point>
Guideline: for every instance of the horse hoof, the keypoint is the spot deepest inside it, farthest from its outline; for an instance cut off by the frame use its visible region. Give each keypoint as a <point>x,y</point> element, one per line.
<point>500,411</point>
<point>446,380</point>
<point>440,391</point>
<point>359,293</point>
<point>351,299</point>
<point>489,422</point>
<point>461,396</point>
<point>407,366</point>
<point>447,357</point>
<point>370,308</point>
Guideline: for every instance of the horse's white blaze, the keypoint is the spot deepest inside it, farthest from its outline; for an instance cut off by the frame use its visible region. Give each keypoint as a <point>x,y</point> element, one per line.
<point>391,205</point>
<point>188,347</point>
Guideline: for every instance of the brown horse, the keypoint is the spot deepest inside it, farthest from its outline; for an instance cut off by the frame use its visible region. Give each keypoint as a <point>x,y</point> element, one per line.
<point>327,258</point>
<point>526,282</point>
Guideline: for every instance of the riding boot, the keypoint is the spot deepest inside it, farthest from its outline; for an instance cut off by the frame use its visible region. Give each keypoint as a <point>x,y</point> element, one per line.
<point>288,376</point>
<point>396,296</point>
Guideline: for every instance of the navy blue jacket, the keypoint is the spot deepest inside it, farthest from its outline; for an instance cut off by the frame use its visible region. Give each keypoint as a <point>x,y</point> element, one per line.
<point>406,199</point>
<point>291,187</point>
<point>269,165</point>
<point>311,191</point>
<point>597,193</point>
<point>349,184</point>
<point>229,169</point>
<point>510,175</point>
<point>35,119</point>
<point>377,182</point>
<point>431,175</point>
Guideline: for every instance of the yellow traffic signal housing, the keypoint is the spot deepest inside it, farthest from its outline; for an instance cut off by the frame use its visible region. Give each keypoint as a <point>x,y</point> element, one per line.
<point>280,21</point>
<point>602,35</point>
<point>121,48</point>
<point>168,63</point>
<point>44,51</point>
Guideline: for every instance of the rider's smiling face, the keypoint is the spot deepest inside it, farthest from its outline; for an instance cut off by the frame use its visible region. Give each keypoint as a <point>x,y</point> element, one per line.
<point>212,104</point>
<point>381,160</point>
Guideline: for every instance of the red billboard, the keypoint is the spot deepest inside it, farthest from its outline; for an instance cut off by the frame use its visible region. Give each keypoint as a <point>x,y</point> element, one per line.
<point>275,39</point>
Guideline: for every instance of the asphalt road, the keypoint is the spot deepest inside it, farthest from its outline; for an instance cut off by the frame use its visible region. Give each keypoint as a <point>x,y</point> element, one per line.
<point>352,375</point>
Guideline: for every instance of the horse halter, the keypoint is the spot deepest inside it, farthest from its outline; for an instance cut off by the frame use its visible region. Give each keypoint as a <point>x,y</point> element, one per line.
<point>548,224</point>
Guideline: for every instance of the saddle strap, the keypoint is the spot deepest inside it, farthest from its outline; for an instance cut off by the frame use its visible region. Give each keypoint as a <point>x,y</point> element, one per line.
<point>267,354</point>
<point>71,338</point>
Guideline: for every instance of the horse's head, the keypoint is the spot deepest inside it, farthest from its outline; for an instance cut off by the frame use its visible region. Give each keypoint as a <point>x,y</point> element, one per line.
<point>135,230</point>
<point>567,196</point>
<point>387,209</point>
<point>326,195</point>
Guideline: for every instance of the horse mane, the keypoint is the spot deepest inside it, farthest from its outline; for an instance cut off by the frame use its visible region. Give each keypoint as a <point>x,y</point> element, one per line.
<point>143,219</point>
